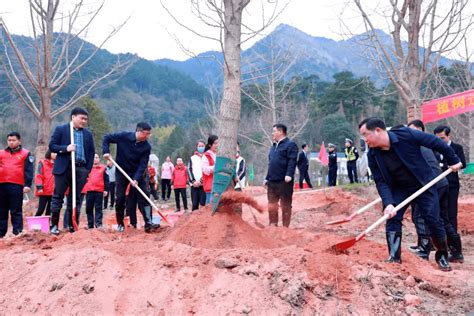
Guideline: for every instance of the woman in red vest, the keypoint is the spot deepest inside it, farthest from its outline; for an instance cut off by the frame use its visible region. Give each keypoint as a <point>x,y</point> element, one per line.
<point>208,161</point>
<point>96,188</point>
<point>44,183</point>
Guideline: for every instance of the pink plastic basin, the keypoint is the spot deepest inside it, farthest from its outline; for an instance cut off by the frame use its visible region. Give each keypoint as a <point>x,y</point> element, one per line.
<point>38,223</point>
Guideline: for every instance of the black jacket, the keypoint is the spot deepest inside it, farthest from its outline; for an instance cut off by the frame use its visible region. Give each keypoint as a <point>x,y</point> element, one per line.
<point>132,156</point>
<point>453,177</point>
<point>60,139</point>
<point>303,162</point>
<point>406,143</point>
<point>332,160</point>
<point>282,160</point>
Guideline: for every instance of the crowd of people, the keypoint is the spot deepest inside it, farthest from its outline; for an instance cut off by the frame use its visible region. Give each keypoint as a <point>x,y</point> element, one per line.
<point>402,160</point>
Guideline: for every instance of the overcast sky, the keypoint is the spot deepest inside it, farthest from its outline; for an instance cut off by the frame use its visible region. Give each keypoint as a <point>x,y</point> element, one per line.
<point>150,30</point>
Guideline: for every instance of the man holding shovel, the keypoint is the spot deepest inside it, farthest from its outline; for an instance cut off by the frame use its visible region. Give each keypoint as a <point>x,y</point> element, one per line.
<point>83,147</point>
<point>133,152</point>
<point>399,170</point>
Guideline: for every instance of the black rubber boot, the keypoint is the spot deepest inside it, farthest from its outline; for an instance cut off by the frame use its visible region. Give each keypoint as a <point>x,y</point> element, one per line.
<point>414,248</point>
<point>424,249</point>
<point>394,243</point>
<point>441,255</point>
<point>455,246</point>
<point>54,223</point>
<point>149,226</point>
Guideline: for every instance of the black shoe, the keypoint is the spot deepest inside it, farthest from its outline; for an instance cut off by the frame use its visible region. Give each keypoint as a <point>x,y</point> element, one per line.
<point>17,232</point>
<point>455,245</point>
<point>71,229</point>
<point>394,243</point>
<point>176,211</point>
<point>120,228</point>
<point>54,230</point>
<point>90,226</point>
<point>441,254</point>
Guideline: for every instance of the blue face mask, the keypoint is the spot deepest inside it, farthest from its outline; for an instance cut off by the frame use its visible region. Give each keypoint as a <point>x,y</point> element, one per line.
<point>200,150</point>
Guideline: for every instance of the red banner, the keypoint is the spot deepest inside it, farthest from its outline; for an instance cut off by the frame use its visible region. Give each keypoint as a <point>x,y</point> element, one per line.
<point>451,105</point>
<point>323,156</point>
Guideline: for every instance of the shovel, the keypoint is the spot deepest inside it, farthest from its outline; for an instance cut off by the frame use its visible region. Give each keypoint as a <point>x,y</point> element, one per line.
<point>141,191</point>
<point>360,211</point>
<point>349,243</point>
<point>73,187</point>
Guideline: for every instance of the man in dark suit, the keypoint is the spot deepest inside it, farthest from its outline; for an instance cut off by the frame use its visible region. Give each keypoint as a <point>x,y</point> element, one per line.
<point>83,147</point>
<point>303,166</point>
<point>399,170</point>
<point>280,175</point>
<point>454,242</point>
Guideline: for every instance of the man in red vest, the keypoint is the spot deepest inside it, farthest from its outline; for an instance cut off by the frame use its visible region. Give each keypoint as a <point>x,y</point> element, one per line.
<point>16,176</point>
<point>96,188</point>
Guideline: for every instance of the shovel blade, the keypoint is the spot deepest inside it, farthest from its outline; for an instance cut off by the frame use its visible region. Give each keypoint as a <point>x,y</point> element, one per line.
<point>339,221</point>
<point>342,246</point>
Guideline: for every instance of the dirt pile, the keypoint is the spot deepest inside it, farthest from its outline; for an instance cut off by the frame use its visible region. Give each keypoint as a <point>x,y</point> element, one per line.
<point>224,264</point>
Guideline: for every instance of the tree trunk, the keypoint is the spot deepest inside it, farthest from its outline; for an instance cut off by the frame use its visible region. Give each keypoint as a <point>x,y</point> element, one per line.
<point>44,130</point>
<point>471,137</point>
<point>229,115</point>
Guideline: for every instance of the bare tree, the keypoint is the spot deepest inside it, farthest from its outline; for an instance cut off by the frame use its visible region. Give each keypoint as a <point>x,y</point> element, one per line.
<point>272,93</point>
<point>58,59</point>
<point>224,19</point>
<point>437,27</point>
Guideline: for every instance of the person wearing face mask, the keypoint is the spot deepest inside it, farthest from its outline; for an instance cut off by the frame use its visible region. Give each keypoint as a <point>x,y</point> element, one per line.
<point>240,169</point>
<point>208,162</point>
<point>198,196</point>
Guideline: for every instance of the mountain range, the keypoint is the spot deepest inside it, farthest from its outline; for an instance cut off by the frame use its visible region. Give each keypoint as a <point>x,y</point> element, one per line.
<point>309,55</point>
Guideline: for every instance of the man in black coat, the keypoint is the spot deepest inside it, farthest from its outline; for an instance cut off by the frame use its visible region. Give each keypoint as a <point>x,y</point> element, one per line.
<point>303,166</point>
<point>280,175</point>
<point>83,147</point>
<point>454,241</point>
<point>399,170</point>
<point>133,153</point>
<point>332,174</point>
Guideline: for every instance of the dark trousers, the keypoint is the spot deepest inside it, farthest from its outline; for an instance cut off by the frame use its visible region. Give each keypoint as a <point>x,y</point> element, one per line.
<point>44,203</point>
<point>181,192</point>
<point>165,189</point>
<point>68,210</point>
<point>198,197</point>
<point>11,202</point>
<point>153,192</point>
<point>94,201</point>
<point>304,175</point>
<point>61,183</point>
<point>426,204</point>
<point>332,177</point>
<point>111,194</point>
<point>280,192</point>
<point>453,206</point>
<point>421,228</point>
<point>134,197</point>
<point>352,171</point>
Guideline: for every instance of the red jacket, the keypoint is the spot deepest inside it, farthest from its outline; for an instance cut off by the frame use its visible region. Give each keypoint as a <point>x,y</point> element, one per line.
<point>179,179</point>
<point>208,179</point>
<point>44,179</point>
<point>12,167</point>
<point>98,180</point>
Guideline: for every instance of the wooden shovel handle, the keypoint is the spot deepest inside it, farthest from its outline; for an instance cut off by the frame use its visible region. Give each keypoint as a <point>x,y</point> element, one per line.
<point>405,202</point>
<point>139,190</point>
